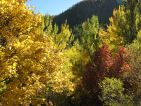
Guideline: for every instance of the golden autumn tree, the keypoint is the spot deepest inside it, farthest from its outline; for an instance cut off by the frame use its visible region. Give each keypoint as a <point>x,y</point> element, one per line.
<point>29,60</point>
<point>63,39</point>
<point>117,28</point>
<point>124,24</point>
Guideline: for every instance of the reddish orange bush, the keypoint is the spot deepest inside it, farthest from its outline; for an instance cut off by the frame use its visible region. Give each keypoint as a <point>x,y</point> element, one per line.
<point>105,64</point>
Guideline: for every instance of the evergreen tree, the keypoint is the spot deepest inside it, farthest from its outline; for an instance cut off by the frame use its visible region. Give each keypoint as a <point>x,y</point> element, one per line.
<point>133,11</point>
<point>87,35</point>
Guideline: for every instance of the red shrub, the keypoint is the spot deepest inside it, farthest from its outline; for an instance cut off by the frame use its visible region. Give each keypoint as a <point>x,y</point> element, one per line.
<point>104,65</point>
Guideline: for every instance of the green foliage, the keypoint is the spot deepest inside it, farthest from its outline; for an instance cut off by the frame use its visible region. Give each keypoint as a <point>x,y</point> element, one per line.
<point>87,35</point>
<point>133,81</point>
<point>116,30</point>
<point>133,18</point>
<point>113,92</point>
<point>64,38</point>
<point>48,26</point>
<point>124,25</point>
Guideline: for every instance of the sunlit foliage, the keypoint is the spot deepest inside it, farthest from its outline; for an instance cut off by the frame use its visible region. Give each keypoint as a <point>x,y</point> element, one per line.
<point>124,24</point>
<point>29,60</point>
<point>115,32</point>
<point>43,64</point>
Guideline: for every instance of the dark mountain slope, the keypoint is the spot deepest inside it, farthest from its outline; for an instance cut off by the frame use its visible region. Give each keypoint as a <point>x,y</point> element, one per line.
<point>85,9</point>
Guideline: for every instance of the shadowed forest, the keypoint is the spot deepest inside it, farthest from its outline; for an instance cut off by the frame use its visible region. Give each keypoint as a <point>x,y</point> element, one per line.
<point>89,55</point>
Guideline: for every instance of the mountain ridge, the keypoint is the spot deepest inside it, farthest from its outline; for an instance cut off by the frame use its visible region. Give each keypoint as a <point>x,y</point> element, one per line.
<point>85,9</point>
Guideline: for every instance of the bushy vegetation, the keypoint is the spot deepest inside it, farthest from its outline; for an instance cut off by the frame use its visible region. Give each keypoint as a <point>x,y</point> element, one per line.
<point>88,65</point>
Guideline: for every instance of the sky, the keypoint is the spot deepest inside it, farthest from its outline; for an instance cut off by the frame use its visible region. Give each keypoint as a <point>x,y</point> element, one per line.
<point>52,7</point>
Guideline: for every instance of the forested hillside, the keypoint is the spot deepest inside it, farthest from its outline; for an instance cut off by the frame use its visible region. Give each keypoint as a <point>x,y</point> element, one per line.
<point>43,64</point>
<point>85,9</point>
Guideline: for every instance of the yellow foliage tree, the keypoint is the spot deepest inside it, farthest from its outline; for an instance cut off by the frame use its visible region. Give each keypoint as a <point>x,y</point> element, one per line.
<point>124,25</point>
<point>29,60</point>
<point>115,32</point>
<point>64,38</point>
